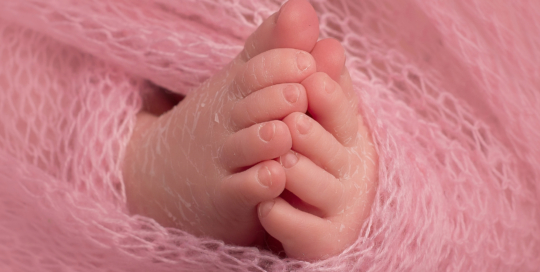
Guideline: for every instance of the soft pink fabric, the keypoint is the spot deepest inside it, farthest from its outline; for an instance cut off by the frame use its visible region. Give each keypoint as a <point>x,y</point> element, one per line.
<point>450,90</point>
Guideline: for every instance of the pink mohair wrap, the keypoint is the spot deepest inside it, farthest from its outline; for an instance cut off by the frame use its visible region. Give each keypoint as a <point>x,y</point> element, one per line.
<point>450,90</point>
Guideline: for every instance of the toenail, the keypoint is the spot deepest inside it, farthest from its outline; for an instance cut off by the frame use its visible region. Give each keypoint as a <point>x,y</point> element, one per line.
<point>265,208</point>
<point>303,124</point>
<point>303,60</point>
<point>288,160</point>
<point>291,93</point>
<point>267,131</point>
<point>264,177</point>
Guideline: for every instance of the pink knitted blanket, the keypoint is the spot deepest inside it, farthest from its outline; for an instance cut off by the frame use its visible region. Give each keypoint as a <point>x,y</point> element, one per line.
<point>450,90</point>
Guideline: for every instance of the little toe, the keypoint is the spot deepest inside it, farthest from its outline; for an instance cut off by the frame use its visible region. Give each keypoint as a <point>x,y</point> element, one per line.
<point>295,26</point>
<point>254,144</point>
<point>329,105</point>
<point>330,57</point>
<point>236,197</point>
<point>244,190</point>
<point>271,103</point>
<point>272,67</point>
<point>313,184</point>
<point>310,139</point>
<point>303,235</point>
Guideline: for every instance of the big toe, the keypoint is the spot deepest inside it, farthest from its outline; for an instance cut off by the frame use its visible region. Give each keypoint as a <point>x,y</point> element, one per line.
<point>295,26</point>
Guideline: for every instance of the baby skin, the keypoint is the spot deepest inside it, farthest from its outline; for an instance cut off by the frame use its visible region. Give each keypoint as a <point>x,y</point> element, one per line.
<point>239,157</point>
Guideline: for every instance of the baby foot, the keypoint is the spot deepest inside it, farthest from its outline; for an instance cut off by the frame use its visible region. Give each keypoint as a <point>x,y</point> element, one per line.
<point>332,170</point>
<point>205,165</point>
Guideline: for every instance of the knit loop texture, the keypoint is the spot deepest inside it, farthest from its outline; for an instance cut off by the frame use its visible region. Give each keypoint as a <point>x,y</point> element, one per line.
<point>449,90</point>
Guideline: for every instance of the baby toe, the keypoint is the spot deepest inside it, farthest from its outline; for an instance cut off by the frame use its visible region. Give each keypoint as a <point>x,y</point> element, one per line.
<point>254,144</point>
<point>303,236</point>
<point>236,198</point>
<point>312,184</point>
<point>331,108</point>
<point>295,26</point>
<point>272,67</point>
<point>310,139</point>
<point>244,190</point>
<point>271,103</point>
<point>330,57</point>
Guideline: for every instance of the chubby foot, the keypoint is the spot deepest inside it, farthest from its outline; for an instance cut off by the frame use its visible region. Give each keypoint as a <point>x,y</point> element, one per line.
<point>205,165</point>
<point>331,172</point>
